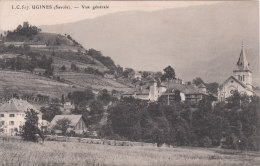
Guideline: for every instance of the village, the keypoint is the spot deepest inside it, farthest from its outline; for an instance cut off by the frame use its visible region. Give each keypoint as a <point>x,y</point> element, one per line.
<point>13,112</point>
<point>130,83</point>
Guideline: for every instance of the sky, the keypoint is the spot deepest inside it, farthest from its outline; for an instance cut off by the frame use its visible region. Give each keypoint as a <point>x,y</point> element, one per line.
<point>10,18</point>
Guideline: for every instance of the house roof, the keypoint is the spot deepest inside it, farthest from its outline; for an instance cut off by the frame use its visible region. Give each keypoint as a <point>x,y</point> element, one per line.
<point>131,92</point>
<point>73,118</point>
<point>16,105</point>
<point>143,92</point>
<point>186,89</point>
<point>202,85</point>
<point>39,70</point>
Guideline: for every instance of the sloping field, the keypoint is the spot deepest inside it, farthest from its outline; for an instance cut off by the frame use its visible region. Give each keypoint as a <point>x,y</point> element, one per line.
<point>81,154</point>
<point>23,82</point>
<point>96,82</point>
<point>58,62</point>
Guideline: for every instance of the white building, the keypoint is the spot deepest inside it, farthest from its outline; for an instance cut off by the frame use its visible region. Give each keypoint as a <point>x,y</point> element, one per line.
<point>240,81</point>
<point>12,116</point>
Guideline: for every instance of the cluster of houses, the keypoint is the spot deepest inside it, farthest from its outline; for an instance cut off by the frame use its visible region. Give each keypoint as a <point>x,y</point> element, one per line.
<point>12,117</point>
<point>240,81</point>
<point>154,90</point>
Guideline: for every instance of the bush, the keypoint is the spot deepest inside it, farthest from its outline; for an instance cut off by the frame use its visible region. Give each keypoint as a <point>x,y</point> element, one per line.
<point>206,142</point>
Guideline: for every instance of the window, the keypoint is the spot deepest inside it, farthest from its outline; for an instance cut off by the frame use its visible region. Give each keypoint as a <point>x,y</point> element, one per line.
<point>243,78</point>
<point>11,123</point>
<point>11,115</point>
<point>2,123</point>
<point>2,115</point>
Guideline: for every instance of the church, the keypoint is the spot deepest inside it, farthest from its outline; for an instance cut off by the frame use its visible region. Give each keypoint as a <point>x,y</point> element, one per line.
<point>240,81</point>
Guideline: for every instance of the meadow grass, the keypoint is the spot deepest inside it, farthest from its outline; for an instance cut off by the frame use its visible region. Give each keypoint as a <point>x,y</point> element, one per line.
<point>80,154</point>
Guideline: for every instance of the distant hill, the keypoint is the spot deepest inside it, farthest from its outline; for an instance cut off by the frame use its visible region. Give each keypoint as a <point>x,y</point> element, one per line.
<point>200,41</point>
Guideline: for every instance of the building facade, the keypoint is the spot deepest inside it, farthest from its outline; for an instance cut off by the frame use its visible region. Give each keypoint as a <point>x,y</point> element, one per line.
<point>240,81</point>
<point>12,116</point>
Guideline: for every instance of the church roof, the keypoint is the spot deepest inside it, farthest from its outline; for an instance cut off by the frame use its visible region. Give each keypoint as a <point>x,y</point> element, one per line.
<point>241,83</point>
<point>242,63</point>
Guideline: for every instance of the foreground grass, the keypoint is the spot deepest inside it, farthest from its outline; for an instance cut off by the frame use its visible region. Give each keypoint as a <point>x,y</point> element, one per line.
<point>74,154</point>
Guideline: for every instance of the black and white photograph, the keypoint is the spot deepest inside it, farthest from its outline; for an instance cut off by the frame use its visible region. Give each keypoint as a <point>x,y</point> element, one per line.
<point>129,83</point>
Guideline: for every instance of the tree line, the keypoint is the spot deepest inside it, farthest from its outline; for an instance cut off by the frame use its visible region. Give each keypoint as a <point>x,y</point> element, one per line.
<point>234,124</point>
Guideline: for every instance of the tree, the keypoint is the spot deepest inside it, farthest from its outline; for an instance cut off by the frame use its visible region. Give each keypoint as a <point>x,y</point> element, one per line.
<point>177,96</point>
<point>63,68</point>
<point>80,96</point>
<point>62,99</point>
<point>96,111</point>
<point>127,71</point>
<point>104,96</point>
<point>74,67</point>
<point>30,129</point>
<point>197,81</point>
<point>169,74</point>
<point>50,111</point>
<point>63,125</point>
<point>145,74</point>
<point>212,87</point>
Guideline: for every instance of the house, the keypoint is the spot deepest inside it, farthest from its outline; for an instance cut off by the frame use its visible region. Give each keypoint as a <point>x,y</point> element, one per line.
<point>68,106</point>
<point>44,125</point>
<point>136,75</point>
<point>16,44</point>
<point>77,123</point>
<point>240,81</point>
<point>12,115</point>
<point>190,93</point>
<point>146,91</point>
<point>164,90</point>
<point>109,76</point>
<point>39,71</point>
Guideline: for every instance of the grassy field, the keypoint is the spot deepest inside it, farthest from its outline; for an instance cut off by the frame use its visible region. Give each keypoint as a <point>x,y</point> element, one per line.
<point>74,154</point>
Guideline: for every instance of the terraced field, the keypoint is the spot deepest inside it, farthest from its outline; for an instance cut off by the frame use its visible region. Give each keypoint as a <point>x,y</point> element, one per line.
<point>96,82</point>
<point>22,82</point>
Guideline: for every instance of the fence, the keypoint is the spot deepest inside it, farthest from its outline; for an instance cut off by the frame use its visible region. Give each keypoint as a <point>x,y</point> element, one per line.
<point>80,140</point>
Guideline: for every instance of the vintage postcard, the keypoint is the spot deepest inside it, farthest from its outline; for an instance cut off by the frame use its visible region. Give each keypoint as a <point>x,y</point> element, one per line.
<point>129,83</point>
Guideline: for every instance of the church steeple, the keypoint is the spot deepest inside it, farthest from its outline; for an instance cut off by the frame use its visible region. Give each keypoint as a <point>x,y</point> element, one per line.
<point>242,63</point>
<point>242,71</point>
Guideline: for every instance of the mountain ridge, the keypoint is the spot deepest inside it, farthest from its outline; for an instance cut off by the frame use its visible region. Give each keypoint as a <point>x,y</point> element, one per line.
<point>153,39</point>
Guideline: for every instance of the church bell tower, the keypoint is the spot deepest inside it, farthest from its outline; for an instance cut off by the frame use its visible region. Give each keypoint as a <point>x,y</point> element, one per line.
<point>242,71</point>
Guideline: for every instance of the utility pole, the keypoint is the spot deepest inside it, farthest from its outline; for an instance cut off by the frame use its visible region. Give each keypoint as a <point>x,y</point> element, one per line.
<point>168,101</point>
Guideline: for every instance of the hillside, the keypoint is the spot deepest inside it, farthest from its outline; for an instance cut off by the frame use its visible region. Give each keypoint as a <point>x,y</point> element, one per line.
<point>96,82</point>
<point>27,83</point>
<point>51,64</point>
<point>209,44</point>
